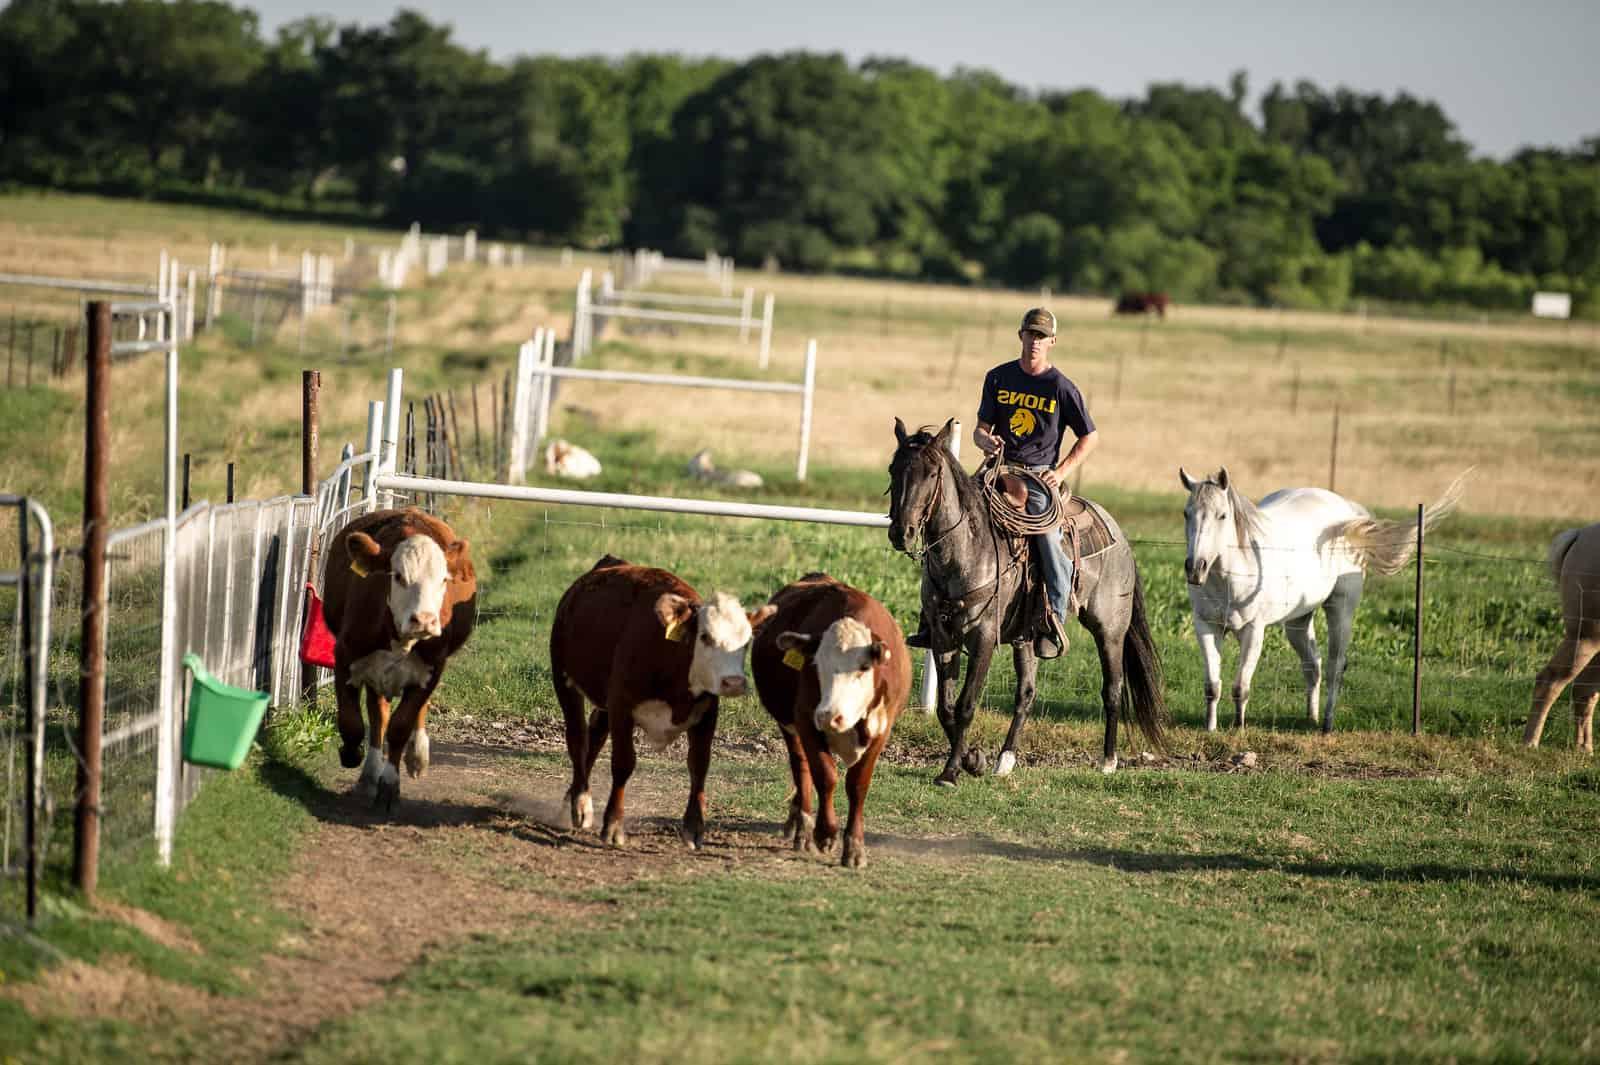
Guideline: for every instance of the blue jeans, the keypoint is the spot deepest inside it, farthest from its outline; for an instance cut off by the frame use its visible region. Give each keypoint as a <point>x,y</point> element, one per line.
<point>1053,559</point>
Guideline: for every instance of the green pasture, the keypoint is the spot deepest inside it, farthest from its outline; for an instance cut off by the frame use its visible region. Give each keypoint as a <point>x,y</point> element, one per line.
<point>1366,896</point>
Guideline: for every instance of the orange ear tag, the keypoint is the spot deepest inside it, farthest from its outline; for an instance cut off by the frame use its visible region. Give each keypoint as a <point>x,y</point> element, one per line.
<point>794,659</point>
<point>675,631</point>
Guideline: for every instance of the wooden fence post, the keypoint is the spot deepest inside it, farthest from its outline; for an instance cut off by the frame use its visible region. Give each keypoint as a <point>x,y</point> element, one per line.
<point>92,648</point>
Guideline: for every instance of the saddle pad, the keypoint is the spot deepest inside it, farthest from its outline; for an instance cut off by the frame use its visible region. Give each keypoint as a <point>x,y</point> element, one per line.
<point>1094,535</point>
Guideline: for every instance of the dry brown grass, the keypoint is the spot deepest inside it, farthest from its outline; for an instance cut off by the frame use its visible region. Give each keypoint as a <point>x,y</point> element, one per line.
<point>1207,387</point>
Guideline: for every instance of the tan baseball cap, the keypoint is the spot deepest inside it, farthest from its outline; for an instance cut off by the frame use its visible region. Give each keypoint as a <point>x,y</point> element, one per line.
<point>1040,320</point>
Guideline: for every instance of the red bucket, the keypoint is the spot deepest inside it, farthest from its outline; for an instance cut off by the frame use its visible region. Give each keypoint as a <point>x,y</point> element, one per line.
<point>316,642</point>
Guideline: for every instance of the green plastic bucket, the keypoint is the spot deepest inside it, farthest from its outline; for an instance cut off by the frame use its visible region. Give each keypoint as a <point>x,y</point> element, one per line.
<point>222,719</point>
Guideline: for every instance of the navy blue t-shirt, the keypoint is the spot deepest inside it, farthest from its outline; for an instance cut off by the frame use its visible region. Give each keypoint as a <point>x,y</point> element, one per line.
<point>1030,413</point>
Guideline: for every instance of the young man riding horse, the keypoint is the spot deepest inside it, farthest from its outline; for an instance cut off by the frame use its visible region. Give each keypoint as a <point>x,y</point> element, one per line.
<point>1023,413</point>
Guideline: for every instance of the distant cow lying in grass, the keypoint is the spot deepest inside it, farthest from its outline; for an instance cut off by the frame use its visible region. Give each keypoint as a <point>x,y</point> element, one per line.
<point>1142,303</point>
<point>400,599</point>
<point>641,645</point>
<point>832,669</point>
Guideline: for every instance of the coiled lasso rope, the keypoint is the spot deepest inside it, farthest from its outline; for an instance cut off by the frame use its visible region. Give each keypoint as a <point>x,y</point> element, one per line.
<point>1012,520</point>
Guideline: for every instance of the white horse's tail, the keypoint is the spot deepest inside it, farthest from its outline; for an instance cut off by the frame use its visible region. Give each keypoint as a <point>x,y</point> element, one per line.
<point>1558,551</point>
<point>1386,546</point>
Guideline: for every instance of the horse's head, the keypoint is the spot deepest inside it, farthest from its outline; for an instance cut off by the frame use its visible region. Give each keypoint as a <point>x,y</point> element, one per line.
<point>1213,520</point>
<point>914,479</point>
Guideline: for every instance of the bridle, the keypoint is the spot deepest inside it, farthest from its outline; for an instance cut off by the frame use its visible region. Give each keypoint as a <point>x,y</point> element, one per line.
<point>916,532</point>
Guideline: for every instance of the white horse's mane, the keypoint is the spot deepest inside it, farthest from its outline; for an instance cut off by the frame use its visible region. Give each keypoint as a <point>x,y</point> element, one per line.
<point>1248,522</point>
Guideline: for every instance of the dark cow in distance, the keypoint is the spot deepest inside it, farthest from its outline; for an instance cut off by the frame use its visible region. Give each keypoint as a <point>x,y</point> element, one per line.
<point>833,670</point>
<point>641,645</point>
<point>1142,303</point>
<point>400,597</point>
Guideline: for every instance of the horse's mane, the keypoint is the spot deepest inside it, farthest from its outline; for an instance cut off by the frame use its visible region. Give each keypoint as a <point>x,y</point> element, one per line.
<point>1248,523</point>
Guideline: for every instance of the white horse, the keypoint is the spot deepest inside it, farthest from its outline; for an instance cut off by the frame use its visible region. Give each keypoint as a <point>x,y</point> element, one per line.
<point>1252,565</point>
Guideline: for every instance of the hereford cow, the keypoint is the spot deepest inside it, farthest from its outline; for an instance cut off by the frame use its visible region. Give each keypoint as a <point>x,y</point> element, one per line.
<point>832,668</point>
<point>1142,303</point>
<point>641,646</point>
<point>400,597</point>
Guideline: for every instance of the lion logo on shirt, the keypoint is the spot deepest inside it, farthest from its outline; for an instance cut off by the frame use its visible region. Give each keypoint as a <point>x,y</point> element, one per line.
<point>1023,423</point>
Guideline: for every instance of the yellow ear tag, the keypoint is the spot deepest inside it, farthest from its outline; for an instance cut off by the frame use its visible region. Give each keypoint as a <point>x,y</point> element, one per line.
<point>675,631</point>
<point>794,659</point>
<point>357,568</point>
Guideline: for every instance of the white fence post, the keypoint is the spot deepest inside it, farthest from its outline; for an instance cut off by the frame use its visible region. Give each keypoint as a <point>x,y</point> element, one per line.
<point>369,492</point>
<point>188,309</point>
<point>766,331</point>
<point>930,673</point>
<point>213,285</point>
<point>469,246</point>
<point>582,319</point>
<point>389,459</point>
<point>806,397</point>
<point>744,313</point>
<point>517,460</point>
<point>167,704</point>
<point>542,414</point>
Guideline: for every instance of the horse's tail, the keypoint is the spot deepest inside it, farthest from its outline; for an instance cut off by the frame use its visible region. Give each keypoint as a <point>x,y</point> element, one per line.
<point>1143,684</point>
<point>1558,551</point>
<point>1386,546</point>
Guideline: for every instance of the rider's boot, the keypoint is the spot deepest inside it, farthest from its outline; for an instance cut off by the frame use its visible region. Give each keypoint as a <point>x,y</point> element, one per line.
<point>1052,642</point>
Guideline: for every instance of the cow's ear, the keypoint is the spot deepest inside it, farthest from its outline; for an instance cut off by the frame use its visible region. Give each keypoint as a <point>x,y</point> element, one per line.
<point>673,610</point>
<point>900,433</point>
<point>797,641</point>
<point>366,557</point>
<point>761,617</point>
<point>878,652</point>
<point>454,555</point>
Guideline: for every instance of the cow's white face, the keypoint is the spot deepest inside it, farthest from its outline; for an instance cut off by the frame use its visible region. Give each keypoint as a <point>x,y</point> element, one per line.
<point>724,636</point>
<point>844,657</point>
<point>418,574</point>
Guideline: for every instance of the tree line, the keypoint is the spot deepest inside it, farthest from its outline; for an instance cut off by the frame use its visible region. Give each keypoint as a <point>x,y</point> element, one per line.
<point>1316,199</point>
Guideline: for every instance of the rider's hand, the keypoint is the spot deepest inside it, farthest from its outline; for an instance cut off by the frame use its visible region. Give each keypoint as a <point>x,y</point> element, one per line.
<point>991,443</point>
<point>1051,478</point>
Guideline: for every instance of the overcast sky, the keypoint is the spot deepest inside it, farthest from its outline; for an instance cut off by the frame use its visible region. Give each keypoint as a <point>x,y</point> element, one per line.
<point>1508,74</point>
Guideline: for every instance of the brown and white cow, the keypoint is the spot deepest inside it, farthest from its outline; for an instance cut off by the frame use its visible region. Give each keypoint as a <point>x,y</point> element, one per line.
<point>832,668</point>
<point>641,646</point>
<point>400,597</point>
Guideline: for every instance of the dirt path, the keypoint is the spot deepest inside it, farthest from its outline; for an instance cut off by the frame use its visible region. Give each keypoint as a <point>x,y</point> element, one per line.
<point>485,830</point>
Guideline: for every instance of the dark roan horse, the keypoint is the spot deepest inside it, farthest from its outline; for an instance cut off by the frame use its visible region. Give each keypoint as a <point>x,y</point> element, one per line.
<point>972,600</point>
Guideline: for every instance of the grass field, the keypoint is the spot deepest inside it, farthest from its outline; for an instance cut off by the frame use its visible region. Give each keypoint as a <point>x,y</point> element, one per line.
<point>1367,896</point>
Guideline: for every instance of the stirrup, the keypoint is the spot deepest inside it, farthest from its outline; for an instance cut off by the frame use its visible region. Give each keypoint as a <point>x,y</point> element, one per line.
<point>1052,643</point>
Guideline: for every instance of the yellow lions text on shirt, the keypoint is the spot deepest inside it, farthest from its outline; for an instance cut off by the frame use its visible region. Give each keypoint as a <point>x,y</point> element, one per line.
<point>1023,399</point>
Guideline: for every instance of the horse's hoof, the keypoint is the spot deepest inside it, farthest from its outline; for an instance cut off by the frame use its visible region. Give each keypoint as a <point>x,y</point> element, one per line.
<point>975,761</point>
<point>947,779</point>
<point>1007,762</point>
<point>350,757</point>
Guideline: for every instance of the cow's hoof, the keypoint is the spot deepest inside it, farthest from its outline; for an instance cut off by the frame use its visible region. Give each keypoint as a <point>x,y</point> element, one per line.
<point>692,837</point>
<point>948,779</point>
<point>613,836</point>
<point>975,761</point>
<point>854,856</point>
<point>1108,765</point>
<point>823,841</point>
<point>350,755</point>
<point>1006,763</point>
<point>417,754</point>
<point>580,811</point>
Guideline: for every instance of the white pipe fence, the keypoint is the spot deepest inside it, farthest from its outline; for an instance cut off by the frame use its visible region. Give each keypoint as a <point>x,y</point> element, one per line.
<point>536,370</point>
<point>615,303</point>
